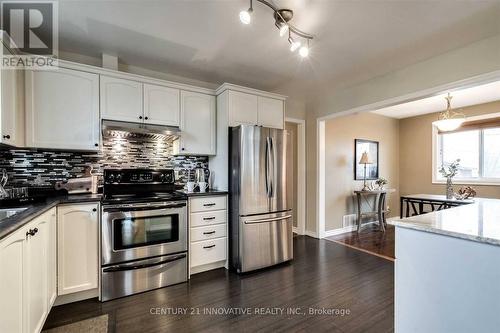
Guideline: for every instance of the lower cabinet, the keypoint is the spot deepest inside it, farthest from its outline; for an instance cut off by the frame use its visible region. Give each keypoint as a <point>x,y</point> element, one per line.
<point>27,281</point>
<point>77,247</point>
<point>207,233</point>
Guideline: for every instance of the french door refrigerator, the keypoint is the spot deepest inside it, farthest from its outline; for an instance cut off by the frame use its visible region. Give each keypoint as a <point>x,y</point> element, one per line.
<point>260,214</point>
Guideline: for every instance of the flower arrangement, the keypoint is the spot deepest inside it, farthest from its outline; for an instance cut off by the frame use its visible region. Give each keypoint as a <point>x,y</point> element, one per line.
<point>381,182</point>
<point>451,171</point>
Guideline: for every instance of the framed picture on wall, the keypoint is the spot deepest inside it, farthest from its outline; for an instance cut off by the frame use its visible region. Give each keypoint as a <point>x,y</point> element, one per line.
<point>371,148</point>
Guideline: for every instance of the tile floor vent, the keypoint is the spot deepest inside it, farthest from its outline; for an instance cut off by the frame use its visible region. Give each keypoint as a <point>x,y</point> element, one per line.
<point>348,220</point>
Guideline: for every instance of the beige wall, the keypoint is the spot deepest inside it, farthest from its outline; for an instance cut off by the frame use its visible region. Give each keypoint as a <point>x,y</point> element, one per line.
<point>463,63</point>
<point>339,162</point>
<point>416,153</point>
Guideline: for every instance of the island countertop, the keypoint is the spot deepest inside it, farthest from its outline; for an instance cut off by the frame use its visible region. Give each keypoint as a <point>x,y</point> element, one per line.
<point>479,221</point>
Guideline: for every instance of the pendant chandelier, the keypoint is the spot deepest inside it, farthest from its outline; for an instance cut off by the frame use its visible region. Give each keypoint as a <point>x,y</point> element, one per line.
<point>298,39</point>
<point>449,119</point>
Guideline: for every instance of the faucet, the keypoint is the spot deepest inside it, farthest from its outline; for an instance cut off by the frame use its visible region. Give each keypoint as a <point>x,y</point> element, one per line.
<point>4,177</point>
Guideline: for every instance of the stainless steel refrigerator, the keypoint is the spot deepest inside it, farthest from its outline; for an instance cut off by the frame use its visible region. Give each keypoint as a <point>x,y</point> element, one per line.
<point>260,213</point>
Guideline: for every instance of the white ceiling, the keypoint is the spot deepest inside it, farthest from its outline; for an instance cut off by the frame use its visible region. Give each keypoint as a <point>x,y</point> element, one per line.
<point>204,40</point>
<point>461,98</point>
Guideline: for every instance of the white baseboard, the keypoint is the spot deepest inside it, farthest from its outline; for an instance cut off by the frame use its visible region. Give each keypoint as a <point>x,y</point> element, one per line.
<point>350,228</point>
<point>75,297</point>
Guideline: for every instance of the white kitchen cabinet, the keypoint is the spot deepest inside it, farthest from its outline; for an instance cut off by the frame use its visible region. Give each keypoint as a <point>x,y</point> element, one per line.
<point>11,106</point>
<point>62,109</point>
<point>77,247</point>
<point>243,108</point>
<point>12,278</point>
<point>208,241</point>
<point>198,116</point>
<point>37,274</point>
<point>27,275</point>
<point>161,105</point>
<point>271,112</point>
<point>121,99</point>
<point>51,217</point>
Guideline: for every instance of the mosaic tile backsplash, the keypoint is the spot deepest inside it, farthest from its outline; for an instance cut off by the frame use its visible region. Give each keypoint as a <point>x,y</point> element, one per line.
<point>45,167</point>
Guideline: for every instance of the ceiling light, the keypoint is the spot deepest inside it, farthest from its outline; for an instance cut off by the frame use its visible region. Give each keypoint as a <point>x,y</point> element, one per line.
<point>283,30</point>
<point>304,50</point>
<point>294,45</point>
<point>282,18</point>
<point>245,15</point>
<point>449,120</point>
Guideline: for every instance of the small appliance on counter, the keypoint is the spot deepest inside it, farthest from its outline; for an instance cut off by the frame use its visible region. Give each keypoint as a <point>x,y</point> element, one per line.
<point>143,233</point>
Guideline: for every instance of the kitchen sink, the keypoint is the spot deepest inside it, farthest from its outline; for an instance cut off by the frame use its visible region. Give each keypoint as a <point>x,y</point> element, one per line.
<point>8,212</point>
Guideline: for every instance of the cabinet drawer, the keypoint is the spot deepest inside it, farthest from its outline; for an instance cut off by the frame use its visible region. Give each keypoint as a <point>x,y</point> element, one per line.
<point>206,252</point>
<point>208,232</point>
<point>207,218</point>
<point>208,203</point>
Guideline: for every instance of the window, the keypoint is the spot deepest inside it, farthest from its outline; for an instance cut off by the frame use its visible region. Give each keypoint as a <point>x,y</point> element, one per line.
<point>478,151</point>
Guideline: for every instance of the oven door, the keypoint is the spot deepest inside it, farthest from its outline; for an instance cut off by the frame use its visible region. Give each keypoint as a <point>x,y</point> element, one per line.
<point>138,231</point>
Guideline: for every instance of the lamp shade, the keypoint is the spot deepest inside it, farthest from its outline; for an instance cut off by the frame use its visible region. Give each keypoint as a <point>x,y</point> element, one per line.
<point>364,159</point>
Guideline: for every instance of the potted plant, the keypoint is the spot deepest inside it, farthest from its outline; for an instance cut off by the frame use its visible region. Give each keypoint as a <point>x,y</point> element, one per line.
<point>449,173</point>
<point>381,182</point>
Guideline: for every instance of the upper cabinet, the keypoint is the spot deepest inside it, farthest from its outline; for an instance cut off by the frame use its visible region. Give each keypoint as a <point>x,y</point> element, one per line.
<point>11,105</point>
<point>161,105</point>
<point>62,109</point>
<point>242,106</point>
<point>127,100</point>
<point>198,116</point>
<point>121,99</point>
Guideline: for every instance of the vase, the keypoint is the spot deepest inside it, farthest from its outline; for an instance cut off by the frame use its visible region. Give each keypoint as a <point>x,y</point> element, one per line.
<point>449,188</point>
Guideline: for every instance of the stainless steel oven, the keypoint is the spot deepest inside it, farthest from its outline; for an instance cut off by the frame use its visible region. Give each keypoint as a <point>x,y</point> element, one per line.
<point>143,247</point>
<point>141,230</point>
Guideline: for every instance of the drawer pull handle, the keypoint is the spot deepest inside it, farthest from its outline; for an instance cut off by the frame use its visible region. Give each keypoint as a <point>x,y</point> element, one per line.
<point>209,246</point>
<point>209,204</point>
<point>209,232</point>
<point>209,218</point>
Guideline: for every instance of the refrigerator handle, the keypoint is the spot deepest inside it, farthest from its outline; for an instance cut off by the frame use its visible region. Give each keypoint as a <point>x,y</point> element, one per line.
<point>273,168</point>
<point>267,165</point>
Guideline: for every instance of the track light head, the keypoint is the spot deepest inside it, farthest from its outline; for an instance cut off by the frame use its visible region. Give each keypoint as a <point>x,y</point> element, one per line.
<point>246,15</point>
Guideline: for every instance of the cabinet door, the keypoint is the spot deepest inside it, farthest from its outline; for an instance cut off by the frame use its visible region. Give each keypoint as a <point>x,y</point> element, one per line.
<point>242,109</point>
<point>51,256</point>
<point>271,113</point>
<point>161,105</point>
<point>12,107</point>
<point>121,99</point>
<point>62,109</point>
<point>77,248</point>
<point>12,276</point>
<point>36,274</point>
<point>197,124</point>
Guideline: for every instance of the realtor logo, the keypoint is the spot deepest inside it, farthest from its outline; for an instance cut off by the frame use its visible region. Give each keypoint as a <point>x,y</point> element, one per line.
<point>29,30</point>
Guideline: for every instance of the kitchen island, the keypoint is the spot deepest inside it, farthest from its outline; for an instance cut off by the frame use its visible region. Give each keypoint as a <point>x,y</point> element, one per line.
<point>447,272</point>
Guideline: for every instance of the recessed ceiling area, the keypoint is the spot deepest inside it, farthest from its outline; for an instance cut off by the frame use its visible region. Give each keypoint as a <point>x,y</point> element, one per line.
<point>461,98</point>
<point>205,40</point>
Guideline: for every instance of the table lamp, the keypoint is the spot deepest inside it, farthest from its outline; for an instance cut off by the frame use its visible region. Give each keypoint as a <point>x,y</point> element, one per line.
<point>365,160</point>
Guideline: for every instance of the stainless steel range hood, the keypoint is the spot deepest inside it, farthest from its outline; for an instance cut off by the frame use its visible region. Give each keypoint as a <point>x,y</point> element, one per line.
<point>123,129</point>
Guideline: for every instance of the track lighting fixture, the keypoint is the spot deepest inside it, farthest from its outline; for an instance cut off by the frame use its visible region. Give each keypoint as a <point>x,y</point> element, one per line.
<point>304,50</point>
<point>246,15</point>
<point>282,19</point>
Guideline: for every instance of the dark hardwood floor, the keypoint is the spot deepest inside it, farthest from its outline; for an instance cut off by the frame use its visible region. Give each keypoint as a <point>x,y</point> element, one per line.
<point>370,240</point>
<point>323,275</point>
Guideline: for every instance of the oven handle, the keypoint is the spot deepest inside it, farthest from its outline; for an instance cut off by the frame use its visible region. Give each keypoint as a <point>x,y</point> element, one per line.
<point>132,266</point>
<point>141,208</point>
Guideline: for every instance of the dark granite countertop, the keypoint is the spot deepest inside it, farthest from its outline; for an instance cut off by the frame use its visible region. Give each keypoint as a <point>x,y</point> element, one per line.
<point>11,224</point>
<point>202,194</point>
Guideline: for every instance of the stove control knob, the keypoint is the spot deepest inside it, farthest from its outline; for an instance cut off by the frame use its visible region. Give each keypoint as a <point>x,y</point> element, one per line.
<point>111,178</point>
<point>169,178</point>
<point>162,177</point>
<point>118,178</point>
